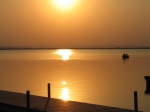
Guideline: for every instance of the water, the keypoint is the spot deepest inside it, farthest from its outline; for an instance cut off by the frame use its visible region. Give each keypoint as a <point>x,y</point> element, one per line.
<point>97,76</point>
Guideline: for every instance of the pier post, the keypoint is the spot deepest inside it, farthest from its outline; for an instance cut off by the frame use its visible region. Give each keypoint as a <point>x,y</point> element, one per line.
<point>135,101</point>
<point>49,91</point>
<point>147,78</point>
<point>28,100</point>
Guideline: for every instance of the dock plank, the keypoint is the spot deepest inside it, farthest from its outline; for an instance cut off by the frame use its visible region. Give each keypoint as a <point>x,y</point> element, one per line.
<point>16,102</point>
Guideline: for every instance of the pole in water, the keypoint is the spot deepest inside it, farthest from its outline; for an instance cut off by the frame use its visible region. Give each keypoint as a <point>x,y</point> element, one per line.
<point>49,91</point>
<point>135,101</point>
<point>28,100</point>
<point>147,78</point>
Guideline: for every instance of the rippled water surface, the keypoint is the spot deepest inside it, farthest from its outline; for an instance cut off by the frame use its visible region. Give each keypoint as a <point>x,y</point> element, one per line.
<point>98,76</point>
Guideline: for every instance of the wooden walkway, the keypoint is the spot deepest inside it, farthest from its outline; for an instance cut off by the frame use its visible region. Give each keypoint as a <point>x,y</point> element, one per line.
<point>16,102</point>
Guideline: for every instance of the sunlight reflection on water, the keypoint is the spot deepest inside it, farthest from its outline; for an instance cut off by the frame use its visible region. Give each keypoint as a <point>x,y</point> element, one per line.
<point>94,76</point>
<point>65,91</point>
<point>65,53</point>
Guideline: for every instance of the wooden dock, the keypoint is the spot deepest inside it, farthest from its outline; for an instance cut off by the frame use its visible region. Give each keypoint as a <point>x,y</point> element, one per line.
<point>17,102</point>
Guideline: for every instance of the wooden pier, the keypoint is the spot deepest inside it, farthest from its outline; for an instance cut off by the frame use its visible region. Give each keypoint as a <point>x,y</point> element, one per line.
<point>20,102</point>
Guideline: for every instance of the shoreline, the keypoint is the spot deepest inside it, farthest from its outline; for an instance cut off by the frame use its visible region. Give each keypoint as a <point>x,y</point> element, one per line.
<point>70,48</point>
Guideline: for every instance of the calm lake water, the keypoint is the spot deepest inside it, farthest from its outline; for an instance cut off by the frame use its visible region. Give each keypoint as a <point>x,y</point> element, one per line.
<point>97,76</point>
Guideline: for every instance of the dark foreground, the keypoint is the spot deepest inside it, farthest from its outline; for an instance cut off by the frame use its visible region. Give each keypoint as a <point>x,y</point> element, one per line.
<point>16,102</point>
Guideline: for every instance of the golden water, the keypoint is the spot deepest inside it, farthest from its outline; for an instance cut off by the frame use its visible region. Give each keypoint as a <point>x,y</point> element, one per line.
<point>95,76</point>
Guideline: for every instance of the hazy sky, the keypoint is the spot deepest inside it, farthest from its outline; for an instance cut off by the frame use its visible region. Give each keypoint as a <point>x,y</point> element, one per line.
<point>90,23</point>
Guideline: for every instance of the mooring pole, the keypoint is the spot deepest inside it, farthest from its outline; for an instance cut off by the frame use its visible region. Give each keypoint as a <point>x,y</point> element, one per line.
<point>49,91</point>
<point>147,78</point>
<point>135,101</point>
<point>28,100</point>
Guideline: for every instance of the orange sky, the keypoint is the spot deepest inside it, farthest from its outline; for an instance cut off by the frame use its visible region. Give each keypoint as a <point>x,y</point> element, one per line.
<point>91,23</point>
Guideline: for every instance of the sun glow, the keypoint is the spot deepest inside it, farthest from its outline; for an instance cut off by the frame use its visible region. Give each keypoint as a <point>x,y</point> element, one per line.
<point>65,54</point>
<point>64,4</point>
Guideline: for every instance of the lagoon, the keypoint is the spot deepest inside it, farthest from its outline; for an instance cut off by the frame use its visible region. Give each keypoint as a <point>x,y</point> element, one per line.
<point>98,76</point>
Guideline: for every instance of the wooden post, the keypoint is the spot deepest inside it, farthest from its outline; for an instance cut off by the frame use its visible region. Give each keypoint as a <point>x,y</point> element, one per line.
<point>135,101</point>
<point>147,78</point>
<point>49,91</point>
<point>28,100</point>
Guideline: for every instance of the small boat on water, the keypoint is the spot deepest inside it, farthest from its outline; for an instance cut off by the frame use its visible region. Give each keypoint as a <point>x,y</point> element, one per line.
<point>125,56</point>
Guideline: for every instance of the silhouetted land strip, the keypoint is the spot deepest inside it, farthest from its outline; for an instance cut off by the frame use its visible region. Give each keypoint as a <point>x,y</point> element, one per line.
<point>16,102</point>
<point>75,48</point>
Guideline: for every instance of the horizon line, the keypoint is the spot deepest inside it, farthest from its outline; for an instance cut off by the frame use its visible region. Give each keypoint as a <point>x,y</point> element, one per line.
<point>36,48</point>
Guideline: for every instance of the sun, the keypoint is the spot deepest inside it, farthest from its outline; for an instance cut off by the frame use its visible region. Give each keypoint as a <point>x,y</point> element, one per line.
<point>64,4</point>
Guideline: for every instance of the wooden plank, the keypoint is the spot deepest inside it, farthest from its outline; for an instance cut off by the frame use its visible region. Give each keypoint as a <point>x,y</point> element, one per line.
<point>16,102</point>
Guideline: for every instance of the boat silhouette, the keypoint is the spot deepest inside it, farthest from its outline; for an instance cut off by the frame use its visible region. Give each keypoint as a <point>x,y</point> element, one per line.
<point>125,56</point>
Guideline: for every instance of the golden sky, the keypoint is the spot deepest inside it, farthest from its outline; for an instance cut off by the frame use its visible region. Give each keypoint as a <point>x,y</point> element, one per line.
<point>87,23</point>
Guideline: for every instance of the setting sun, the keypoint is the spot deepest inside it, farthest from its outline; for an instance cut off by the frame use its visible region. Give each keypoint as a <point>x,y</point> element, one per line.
<point>64,4</point>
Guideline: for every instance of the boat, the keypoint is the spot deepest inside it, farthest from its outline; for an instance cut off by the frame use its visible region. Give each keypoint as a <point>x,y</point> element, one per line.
<point>125,56</point>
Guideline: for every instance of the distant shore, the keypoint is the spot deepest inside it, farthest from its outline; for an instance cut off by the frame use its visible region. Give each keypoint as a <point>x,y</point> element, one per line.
<point>74,48</point>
